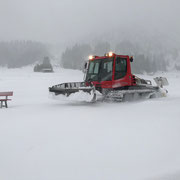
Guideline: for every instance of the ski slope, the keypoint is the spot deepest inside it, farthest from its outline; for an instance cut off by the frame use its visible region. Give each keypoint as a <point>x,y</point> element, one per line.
<point>45,139</point>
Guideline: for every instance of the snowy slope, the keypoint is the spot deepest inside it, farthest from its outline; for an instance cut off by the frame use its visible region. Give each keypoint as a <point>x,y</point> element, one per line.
<point>45,139</point>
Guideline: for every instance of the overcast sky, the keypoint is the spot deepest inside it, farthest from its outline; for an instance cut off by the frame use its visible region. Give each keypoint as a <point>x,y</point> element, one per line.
<point>70,20</point>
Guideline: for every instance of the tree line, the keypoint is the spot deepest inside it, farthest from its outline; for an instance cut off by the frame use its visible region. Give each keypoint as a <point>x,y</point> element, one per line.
<point>16,54</point>
<point>145,59</point>
<point>150,59</point>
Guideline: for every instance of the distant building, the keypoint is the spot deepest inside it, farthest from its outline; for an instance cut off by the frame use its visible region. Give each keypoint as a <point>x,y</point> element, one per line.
<point>44,67</point>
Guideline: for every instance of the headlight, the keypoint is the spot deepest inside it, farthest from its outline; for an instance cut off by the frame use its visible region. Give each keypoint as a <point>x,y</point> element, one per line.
<point>91,57</point>
<point>111,54</point>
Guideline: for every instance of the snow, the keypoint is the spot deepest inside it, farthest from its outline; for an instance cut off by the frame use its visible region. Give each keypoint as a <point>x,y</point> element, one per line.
<point>75,97</point>
<point>42,138</point>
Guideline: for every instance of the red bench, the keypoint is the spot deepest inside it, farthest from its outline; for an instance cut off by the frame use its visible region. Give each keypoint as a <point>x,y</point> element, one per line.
<point>4,98</point>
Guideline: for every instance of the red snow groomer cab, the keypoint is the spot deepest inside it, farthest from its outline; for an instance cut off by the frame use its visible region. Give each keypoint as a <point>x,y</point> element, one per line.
<point>110,71</point>
<point>111,76</point>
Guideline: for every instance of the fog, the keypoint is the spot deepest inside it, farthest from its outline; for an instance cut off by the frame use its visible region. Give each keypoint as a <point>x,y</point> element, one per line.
<point>66,21</point>
<point>33,29</point>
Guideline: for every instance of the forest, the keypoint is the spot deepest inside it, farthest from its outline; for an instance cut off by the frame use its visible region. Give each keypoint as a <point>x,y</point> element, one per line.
<point>15,54</point>
<point>145,60</point>
<point>148,58</point>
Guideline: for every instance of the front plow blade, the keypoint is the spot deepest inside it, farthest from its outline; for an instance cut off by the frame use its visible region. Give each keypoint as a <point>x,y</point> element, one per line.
<point>75,91</point>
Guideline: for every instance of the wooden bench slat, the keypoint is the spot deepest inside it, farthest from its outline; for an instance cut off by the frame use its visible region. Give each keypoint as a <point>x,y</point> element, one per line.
<point>5,99</point>
<point>10,93</point>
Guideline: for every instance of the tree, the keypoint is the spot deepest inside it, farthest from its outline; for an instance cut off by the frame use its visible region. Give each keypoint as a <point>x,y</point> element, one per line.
<point>101,48</point>
<point>74,58</point>
<point>21,53</point>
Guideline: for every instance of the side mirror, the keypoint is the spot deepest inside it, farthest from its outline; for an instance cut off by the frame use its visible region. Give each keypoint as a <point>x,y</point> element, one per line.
<point>85,65</point>
<point>131,58</point>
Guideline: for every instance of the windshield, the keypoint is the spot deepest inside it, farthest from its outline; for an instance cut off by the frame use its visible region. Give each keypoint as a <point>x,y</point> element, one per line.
<point>100,70</point>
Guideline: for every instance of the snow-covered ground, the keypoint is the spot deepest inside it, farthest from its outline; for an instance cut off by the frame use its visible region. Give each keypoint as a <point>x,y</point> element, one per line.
<point>45,139</point>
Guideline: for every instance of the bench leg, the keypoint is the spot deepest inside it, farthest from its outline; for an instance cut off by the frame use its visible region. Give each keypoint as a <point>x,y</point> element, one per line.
<point>6,104</point>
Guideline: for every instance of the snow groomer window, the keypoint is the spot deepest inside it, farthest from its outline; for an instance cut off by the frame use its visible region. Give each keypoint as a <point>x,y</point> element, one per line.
<point>121,68</point>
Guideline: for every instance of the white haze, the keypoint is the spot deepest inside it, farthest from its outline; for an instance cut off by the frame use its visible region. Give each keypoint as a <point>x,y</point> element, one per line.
<point>65,21</point>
